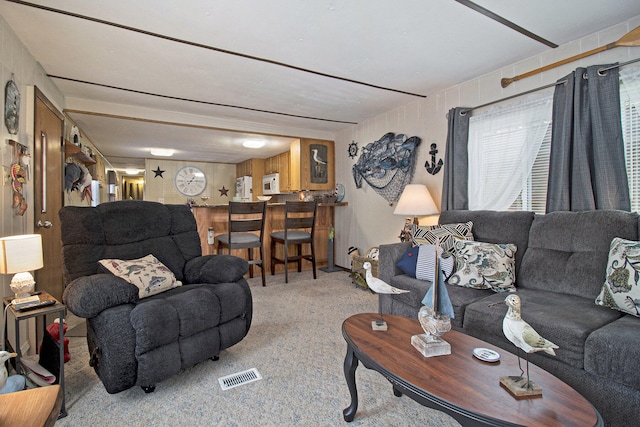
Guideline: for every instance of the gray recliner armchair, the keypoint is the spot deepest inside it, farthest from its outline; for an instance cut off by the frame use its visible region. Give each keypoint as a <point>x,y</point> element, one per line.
<point>142,341</point>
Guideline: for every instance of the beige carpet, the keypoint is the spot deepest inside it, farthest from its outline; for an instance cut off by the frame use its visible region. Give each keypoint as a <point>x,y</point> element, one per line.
<point>296,344</point>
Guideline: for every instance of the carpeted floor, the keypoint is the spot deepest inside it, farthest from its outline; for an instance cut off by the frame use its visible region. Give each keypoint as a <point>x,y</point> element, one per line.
<point>296,344</point>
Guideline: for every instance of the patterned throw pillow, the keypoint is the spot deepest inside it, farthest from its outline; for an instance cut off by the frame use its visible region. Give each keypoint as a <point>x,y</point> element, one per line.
<point>445,233</point>
<point>483,265</point>
<point>621,290</point>
<point>148,274</point>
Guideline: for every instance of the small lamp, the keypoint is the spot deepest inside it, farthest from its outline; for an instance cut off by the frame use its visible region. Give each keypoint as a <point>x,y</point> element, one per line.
<point>415,200</point>
<point>19,255</point>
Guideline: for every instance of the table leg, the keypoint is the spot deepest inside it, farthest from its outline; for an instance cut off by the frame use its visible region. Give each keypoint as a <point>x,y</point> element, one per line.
<point>350,366</point>
<point>17,349</point>
<point>63,410</point>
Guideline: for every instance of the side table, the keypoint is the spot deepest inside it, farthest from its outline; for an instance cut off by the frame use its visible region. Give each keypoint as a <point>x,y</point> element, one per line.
<point>57,308</point>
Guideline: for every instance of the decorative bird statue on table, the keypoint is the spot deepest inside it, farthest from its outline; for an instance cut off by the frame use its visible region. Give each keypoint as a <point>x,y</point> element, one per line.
<point>524,337</point>
<point>379,287</point>
<point>14,382</point>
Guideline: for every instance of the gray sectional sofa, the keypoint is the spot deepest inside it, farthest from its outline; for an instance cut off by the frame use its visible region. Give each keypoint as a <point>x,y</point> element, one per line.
<point>560,269</point>
<point>136,339</point>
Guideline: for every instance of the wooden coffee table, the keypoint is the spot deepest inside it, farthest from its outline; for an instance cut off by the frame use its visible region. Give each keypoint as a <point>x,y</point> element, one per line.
<point>458,384</point>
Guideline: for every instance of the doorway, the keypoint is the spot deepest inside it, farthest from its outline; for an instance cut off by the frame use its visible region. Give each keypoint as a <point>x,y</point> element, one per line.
<point>48,191</point>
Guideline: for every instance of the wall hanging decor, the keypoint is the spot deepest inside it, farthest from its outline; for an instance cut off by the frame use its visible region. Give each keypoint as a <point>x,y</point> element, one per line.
<point>387,165</point>
<point>19,173</point>
<point>318,163</point>
<point>353,149</point>
<point>11,106</point>
<point>432,166</point>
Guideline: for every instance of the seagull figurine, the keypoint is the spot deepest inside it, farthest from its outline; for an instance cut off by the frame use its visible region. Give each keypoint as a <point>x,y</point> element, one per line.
<point>522,335</point>
<point>379,287</point>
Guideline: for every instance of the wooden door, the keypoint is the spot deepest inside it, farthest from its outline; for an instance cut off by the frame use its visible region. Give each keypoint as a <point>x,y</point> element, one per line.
<point>48,172</point>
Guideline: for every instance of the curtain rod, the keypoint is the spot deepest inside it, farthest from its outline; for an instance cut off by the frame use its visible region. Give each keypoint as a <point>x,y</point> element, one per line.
<point>543,87</point>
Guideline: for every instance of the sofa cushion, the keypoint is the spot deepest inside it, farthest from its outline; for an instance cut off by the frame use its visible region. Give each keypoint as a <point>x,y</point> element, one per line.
<point>445,234</point>
<point>419,262</point>
<point>483,265</point>
<point>562,319</point>
<point>568,251</point>
<point>621,290</point>
<point>496,227</point>
<point>147,273</point>
<point>613,351</point>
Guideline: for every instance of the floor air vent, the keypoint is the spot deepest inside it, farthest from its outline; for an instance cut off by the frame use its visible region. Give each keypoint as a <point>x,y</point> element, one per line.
<point>240,378</point>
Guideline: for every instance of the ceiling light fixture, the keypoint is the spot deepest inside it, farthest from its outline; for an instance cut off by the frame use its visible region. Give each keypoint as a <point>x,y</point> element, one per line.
<point>132,171</point>
<point>253,143</point>
<point>161,152</point>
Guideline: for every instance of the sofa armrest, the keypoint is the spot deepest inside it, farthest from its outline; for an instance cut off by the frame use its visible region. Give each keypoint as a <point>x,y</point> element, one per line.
<point>388,256</point>
<point>215,269</point>
<point>87,296</point>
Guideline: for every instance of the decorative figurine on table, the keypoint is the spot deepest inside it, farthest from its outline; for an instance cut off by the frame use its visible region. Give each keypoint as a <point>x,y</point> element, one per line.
<point>524,337</point>
<point>379,287</point>
<point>406,234</point>
<point>9,384</point>
<point>435,316</point>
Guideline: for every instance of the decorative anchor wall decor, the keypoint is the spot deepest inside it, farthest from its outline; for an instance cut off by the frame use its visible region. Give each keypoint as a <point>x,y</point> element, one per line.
<point>387,165</point>
<point>433,167</point>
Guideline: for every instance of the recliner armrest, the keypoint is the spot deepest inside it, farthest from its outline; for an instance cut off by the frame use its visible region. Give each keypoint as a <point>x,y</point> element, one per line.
<point>215,269</point>
<point>87,296</point>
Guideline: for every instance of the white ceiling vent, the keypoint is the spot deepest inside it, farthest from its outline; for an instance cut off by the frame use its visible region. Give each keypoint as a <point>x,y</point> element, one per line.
<point>240,378</point>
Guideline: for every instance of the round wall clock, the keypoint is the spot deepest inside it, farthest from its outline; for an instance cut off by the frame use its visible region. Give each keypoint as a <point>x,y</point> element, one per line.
<point>11,106</point>
<point>190,181</point>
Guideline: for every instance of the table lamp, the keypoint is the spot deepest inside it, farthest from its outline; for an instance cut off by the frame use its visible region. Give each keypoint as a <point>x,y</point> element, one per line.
<point>415,200</point>
<point>19,255</point>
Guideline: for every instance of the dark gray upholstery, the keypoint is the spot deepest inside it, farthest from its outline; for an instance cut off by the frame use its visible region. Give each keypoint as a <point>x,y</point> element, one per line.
<point>144,341</point>
<point>560,268</point>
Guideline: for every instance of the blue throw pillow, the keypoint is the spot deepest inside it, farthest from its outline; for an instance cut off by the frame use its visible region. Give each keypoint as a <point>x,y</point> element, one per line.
<point>407,263</point>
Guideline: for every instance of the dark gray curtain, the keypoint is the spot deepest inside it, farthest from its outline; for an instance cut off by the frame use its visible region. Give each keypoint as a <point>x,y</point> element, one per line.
<point>587,167</point>
<point>456,165</point>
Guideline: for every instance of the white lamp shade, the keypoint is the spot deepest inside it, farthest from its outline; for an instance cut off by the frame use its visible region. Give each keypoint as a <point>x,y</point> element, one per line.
<point>415,200</point>
<point>20,253</point>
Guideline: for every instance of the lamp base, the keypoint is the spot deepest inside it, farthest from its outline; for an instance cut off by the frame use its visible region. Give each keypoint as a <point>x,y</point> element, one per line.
<point>430,346</point>
<point>22,284</point>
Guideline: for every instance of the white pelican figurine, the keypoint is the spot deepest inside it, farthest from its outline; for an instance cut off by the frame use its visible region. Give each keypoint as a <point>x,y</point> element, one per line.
<point>522,335</point>
<point>379,287</point>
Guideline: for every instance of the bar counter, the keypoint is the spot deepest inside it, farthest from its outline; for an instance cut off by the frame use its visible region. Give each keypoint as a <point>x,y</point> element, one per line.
<point>217,216</point>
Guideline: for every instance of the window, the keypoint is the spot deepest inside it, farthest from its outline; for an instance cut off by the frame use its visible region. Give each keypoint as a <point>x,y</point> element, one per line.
<point>630,112</point>
<point>509,155</point>
<point>533,196</point>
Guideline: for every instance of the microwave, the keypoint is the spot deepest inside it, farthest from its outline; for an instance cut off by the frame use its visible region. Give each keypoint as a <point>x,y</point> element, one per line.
<point>271,184</point>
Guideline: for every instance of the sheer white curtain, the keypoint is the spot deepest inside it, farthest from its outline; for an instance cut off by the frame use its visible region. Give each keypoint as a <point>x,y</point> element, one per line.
<point>503,144</point>
<point>630,115</point>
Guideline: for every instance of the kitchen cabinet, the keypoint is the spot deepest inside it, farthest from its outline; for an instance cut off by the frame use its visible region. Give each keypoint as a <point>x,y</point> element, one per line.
<point>283,170</point>
<point>250,167</point>
<point>279,164</point>
<point>255,169</point>
<point>312,165</point>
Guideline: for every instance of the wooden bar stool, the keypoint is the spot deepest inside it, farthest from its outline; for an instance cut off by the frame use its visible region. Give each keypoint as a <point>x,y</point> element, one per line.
<point>299,229</point>
<point>245,217</point>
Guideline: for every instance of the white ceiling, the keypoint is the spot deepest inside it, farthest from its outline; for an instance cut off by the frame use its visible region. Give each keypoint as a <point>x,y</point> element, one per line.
<point>413,46</point>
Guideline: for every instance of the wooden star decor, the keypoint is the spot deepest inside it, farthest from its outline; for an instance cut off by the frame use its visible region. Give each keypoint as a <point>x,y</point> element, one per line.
<point>223,191</point>
<point>158,173</point>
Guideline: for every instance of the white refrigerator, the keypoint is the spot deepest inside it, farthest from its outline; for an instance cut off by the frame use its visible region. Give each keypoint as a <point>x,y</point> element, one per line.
<point>244,188</point>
